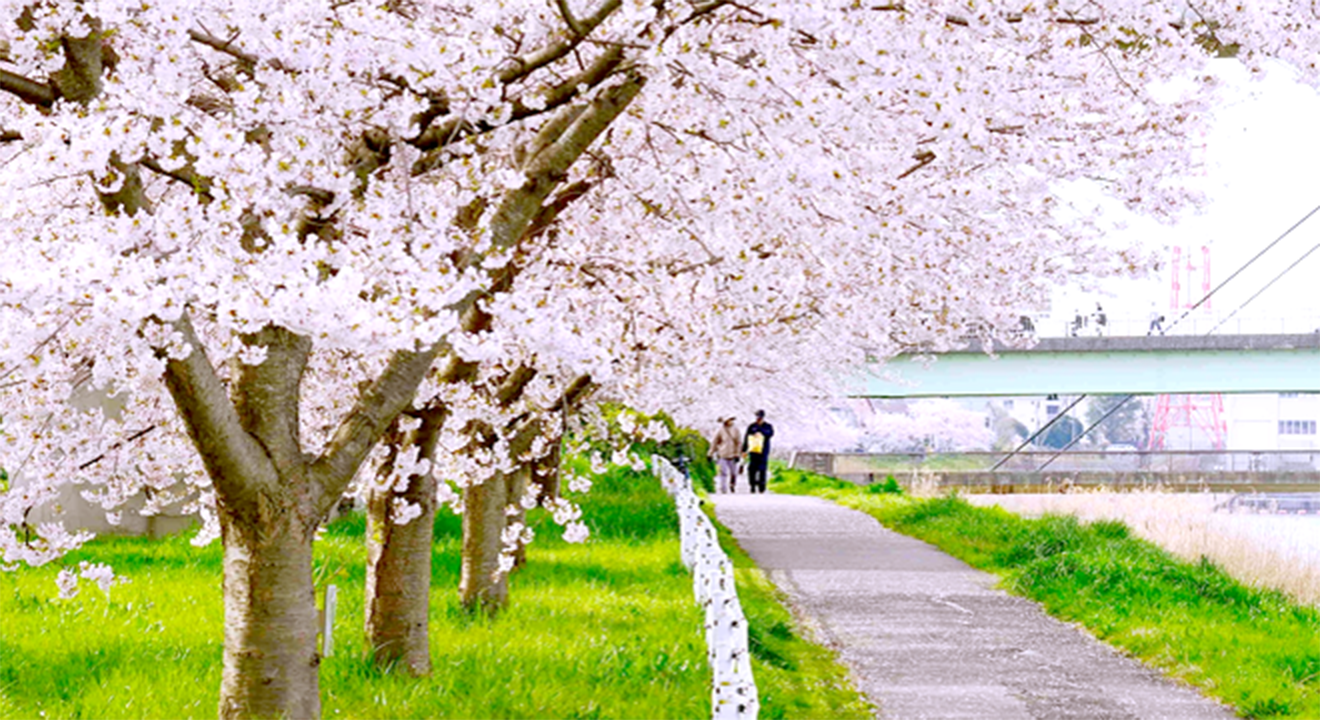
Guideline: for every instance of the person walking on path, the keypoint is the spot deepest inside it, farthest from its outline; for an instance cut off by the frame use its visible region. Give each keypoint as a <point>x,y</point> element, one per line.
<point>1079,322</point>
<point>1156,323</point>
<point>756,446</point>
<point>725,450</point>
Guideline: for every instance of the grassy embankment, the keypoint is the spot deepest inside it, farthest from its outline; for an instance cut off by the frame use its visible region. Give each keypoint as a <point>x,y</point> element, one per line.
<point>1254,649</point>
<point>603,629</point>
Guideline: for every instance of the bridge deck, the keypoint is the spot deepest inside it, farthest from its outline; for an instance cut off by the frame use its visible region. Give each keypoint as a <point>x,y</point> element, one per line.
<point>1108,366</point>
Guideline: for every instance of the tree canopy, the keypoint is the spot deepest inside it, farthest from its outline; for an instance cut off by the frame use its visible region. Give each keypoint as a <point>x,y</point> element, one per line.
<point>249,237</point>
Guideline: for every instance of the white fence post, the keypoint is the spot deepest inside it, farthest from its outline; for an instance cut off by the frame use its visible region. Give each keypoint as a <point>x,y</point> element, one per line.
<point>733,689</point>
<point>328,621</point>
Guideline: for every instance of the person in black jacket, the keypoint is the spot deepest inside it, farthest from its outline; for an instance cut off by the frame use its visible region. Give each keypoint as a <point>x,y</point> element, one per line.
<point>756,448</point>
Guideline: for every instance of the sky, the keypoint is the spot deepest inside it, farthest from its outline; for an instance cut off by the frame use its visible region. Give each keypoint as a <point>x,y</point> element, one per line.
<point>1262,175</point>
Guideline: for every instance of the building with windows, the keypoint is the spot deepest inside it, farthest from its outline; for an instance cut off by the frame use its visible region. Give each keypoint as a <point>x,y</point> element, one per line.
<point>1273,421</point>
<point>1282,421</point>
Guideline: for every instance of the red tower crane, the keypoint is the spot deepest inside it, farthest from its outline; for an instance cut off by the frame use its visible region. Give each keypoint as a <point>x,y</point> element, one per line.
<point>1202,414</point>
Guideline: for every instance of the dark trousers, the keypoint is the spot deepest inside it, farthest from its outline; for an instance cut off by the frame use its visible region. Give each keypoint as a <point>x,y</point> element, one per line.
<point>756,469</point>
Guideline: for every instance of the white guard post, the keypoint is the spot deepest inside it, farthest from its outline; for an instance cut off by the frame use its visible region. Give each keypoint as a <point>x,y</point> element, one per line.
<point>733,696</point>
<point>328,628</point>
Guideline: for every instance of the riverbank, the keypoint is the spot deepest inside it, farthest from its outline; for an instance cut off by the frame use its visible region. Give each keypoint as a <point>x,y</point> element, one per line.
<point>1252,649</point>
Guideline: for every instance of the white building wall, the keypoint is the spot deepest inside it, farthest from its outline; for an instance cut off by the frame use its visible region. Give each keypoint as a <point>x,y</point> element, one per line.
<point>1273,421</point>
<point>1253,434</point>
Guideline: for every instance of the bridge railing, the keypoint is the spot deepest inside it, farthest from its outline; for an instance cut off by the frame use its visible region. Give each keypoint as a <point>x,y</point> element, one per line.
<point>733,692</point>
<point>1127,326</point>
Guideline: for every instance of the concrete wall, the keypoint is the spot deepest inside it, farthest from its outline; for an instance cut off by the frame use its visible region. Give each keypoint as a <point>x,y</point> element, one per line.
<point>78,514</point>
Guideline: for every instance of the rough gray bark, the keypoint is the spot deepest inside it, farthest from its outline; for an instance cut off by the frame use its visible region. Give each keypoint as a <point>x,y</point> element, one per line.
<point>544,474</point>
<point>270,658</point>
<point>399,562</point>
<point>481,587</point>
<point>485,510</point>
<point>271,498</point>
<point>561,143</point>
<point>486,514</point>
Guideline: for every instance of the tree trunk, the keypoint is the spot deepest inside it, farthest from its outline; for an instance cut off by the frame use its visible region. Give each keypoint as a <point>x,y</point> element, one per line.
<point>518,481</point>
<point>481,586</point>
<point>399,566</point>
<point>270,658</point>
<point>271,498</point>
<point>547,471</point>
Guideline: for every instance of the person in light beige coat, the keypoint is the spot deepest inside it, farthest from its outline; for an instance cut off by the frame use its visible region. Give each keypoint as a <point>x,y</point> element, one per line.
<point>726,450</point>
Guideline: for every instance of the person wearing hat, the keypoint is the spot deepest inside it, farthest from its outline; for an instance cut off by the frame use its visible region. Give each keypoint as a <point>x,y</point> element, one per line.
<point>725,451</point>
<point>756,448</point>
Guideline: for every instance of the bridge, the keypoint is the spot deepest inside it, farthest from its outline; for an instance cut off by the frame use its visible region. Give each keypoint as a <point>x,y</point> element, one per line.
<point>1149,365</point>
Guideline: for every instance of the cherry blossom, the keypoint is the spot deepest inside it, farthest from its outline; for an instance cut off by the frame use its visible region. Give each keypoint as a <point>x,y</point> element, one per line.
<point>241,240</point>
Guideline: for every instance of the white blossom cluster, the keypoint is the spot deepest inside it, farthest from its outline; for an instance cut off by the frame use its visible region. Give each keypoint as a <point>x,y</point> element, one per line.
<point>514,536</point>
<point>799,186</point>
<point>99,573</point>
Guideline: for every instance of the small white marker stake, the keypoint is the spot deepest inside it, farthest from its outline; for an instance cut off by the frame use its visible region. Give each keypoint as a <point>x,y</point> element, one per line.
<point>328,632</point>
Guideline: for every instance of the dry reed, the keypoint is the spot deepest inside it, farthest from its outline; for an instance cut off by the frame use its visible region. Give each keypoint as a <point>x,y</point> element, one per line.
<point>1267,551</point>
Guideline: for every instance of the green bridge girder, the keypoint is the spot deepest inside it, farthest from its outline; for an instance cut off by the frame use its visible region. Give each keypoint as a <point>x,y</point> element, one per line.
<point>1173,364</point>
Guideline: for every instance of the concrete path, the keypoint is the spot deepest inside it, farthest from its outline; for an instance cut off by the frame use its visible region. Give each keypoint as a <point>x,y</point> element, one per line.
<point>927,636</point>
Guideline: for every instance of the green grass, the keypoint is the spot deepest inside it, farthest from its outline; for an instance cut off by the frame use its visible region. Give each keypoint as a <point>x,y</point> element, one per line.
<point>1255,650</point>
<point>605,629</point>
<point>801,482</point>
<point>905,463</point>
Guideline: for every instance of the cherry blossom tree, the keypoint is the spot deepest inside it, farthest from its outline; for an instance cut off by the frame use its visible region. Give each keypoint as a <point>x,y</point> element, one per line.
<point>270,236</point>
<point>931,424</point>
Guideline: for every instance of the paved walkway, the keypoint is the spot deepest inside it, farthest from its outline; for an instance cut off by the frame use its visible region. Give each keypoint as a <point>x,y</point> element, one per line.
<point>926,636</point>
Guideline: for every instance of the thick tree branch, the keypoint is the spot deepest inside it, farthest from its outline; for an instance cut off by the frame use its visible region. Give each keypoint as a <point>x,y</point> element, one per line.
<point>581,386</point>
<point>184,175</point>
<point>513,386</point>
<point>551,211</point>
<point>531,428</point>
<point>550,132</point>
<point>393,391</point>
<point>549,168</point>
<point>247,61</point>
<point>566,12</point>
<point>376,408</point>
<point>521,207</point>
<point>594,74</point>
<point>238,465</point>
<point>474,319</point>
<point>266,395</point>
<point>453,128</point>
<point>131,196</point>
<point>524,65</point>
<point>85,59</point>
<point>28,90</point>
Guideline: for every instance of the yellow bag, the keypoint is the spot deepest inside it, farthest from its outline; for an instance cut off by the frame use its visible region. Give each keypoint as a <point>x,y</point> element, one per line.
<point>756,443</point>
